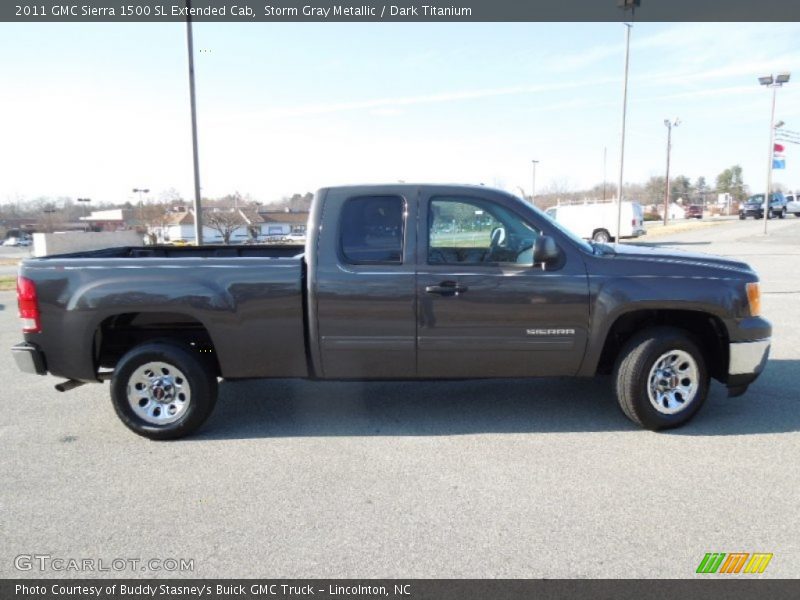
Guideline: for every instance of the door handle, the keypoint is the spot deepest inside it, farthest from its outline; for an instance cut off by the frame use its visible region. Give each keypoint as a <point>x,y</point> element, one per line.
<point>446,288</point>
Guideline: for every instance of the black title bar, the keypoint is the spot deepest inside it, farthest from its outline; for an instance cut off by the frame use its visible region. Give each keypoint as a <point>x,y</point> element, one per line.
<point>731,588</point>
<point>411,10</point>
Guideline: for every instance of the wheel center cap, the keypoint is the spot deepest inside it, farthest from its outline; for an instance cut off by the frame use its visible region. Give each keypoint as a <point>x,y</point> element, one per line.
<point>667,380</point>
<point>161,391</point>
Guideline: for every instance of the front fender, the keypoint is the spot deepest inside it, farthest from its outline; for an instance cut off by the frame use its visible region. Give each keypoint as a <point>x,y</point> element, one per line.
<point>614,297</point>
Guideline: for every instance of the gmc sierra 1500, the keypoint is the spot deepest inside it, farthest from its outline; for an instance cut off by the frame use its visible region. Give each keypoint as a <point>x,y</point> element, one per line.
<point>396,282</point>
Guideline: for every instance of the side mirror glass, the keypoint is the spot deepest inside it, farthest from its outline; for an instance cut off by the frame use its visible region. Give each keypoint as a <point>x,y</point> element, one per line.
<point>545,250</point>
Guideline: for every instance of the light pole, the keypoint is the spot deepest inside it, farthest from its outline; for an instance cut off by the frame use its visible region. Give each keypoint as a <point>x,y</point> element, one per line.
<point>141,191</point>
<point>198,213</point>
<point>626,5</point>
<point>773,82</point>
<point>669,124</point>
<point>533,182</point>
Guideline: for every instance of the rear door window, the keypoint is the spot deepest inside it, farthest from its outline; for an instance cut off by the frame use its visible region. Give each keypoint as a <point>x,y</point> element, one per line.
<point>372,230</point>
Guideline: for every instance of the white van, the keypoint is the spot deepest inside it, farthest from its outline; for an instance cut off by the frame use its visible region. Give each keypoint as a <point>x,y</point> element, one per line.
<point>598,221</point>
<point>793,203</point>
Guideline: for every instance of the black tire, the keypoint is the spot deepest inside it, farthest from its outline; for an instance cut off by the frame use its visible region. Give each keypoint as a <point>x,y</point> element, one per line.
<point>632,372</point>
<point>601,236</point>
<point>783,214</point>
<point>797,214</point>
<point>742,217</point>
<point>201,380</point>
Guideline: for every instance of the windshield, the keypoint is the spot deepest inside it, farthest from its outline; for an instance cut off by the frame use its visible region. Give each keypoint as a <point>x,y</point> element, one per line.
<point>757,199</point>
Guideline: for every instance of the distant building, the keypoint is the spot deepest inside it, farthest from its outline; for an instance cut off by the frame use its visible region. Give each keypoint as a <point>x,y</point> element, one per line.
<point>115,219</point>
<point>281,222</point>
<point>255,226</point>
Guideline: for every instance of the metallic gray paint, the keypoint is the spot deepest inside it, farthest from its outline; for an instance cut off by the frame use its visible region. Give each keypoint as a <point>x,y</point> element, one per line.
<point>314,315</point>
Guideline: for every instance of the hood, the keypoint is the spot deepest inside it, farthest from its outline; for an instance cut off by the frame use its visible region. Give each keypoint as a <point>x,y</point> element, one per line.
<point>672,256</point>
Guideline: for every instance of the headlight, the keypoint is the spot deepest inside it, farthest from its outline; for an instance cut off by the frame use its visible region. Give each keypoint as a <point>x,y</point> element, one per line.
<point>754,298</point>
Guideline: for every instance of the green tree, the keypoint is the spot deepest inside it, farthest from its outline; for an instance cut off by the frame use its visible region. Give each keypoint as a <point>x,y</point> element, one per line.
<point>680,187</point>
<point>654,190</point>
<point>730,182</point>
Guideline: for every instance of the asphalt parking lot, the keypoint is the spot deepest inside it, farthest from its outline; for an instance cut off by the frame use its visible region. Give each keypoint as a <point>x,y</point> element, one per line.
<point>514,478</point>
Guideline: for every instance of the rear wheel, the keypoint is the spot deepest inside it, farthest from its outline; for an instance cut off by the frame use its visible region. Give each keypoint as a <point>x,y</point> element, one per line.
<point>661,378</point>
<point>782,214</point>
<point>162,391</point>
<point>601,236</point>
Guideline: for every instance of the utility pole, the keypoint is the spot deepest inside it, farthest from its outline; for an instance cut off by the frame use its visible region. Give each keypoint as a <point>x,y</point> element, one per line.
<point>625,5</point>
<point>198,213</point>
<point>669,125</point>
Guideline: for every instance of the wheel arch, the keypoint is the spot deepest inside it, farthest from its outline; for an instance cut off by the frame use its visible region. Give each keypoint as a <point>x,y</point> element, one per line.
<point>118,333</point>
<point>707,329</point>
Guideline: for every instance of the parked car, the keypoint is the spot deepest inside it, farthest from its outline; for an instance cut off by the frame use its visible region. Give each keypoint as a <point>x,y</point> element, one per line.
<point>793,204</point>
<point>754,207</point>
<point>17,241</point>
<point>598,221</point>
<point>694,211</point>
<point>381,292</point>
<point>295,238</point>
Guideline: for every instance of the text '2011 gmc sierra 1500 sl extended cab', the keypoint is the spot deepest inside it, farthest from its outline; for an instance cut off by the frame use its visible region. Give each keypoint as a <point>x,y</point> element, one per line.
<point>396,282</point>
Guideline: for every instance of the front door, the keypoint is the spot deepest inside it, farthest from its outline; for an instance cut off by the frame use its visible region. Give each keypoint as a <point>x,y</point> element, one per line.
<point>483,308</point>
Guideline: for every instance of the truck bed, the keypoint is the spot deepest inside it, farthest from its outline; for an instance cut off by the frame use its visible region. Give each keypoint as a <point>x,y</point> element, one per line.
<point>245,302</point>
<point>266,251</point>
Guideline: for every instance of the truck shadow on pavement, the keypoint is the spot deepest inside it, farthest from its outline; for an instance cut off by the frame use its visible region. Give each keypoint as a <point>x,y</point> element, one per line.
<point>297,408</point>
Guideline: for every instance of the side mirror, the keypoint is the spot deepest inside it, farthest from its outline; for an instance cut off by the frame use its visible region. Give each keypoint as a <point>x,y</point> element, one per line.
<point>545,250</point>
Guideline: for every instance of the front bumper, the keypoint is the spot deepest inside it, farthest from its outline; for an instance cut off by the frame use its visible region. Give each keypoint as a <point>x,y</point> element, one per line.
<point>29,358</point>
<point>747,361</point>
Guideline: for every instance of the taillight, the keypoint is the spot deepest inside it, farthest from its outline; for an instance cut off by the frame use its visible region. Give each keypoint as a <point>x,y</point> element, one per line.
<point>633,222</point>
<point>28,305</point>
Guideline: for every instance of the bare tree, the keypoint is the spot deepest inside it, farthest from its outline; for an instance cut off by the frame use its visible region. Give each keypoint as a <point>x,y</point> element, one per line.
<point>152,215</point>
<point>225,222</point>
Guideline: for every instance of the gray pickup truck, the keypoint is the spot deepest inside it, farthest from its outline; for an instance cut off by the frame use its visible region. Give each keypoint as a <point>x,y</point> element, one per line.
<point>395,282</point>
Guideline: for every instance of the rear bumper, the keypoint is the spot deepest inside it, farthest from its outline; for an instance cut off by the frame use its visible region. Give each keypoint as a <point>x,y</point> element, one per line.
<point>747,361</point>
<point>29,358</point>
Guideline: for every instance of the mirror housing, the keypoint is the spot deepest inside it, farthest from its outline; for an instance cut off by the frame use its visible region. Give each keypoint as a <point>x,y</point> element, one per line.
<point>545,250</point>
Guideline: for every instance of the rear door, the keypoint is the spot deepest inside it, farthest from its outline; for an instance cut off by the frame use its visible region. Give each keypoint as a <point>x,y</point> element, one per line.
<point>364,290</point>
<point>484,308</point>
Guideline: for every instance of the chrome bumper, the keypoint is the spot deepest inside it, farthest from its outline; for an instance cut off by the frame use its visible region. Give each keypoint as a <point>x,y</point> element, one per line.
<point>748,358</point>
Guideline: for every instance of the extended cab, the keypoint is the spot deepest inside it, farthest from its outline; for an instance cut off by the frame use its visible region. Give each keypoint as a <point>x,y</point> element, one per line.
<point>396,282</point>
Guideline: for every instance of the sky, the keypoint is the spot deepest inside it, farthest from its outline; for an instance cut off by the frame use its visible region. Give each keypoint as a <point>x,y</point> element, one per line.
<point>95,110</point>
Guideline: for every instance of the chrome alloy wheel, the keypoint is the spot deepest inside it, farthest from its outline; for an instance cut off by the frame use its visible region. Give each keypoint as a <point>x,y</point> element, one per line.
<point>159,393</point>
<point>673,382</point>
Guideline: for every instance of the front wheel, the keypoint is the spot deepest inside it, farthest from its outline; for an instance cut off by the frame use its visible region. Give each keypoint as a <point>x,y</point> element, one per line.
<point>661,378</point>
<point>162,391</point>
<point>783,214</point>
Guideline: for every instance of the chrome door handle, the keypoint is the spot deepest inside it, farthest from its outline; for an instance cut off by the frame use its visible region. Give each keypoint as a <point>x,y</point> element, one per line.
<point>446,288</point>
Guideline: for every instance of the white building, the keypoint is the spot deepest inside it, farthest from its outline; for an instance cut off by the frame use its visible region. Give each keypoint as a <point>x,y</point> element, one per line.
<point>179,226</point>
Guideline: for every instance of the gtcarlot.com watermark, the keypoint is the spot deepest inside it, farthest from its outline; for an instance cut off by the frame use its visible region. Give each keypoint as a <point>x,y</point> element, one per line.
<point>63,564</point>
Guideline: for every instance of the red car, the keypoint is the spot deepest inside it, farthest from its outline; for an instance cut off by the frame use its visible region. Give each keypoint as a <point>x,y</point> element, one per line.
<point>694,211</point>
